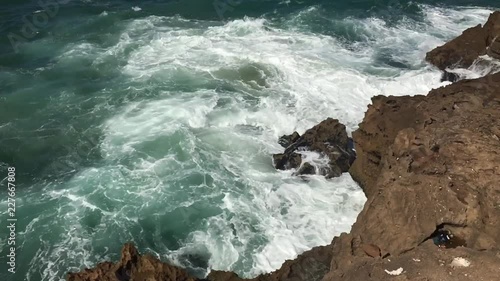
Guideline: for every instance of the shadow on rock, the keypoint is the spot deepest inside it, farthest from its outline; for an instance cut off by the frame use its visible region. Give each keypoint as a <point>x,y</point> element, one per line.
<point>329,138</point>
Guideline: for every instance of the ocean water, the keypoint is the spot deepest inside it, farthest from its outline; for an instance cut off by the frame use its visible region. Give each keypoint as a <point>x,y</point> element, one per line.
<point>154,122</point>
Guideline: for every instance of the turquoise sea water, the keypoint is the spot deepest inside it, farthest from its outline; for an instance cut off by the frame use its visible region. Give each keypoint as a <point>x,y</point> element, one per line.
<point>155,121</point>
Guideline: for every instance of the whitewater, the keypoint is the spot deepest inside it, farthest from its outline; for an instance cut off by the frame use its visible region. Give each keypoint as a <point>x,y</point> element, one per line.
<point>182,134</point>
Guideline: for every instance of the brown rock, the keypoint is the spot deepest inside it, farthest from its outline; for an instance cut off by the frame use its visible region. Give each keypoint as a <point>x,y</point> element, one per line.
<point>216,275</point>
<point>383,121</point>
<point>134,267</point>
<point>286,161</point>
<point>329,138</point>
<point>492,27</point>
<point>449,76</point>
<point>423,263</point>
<point>288,140</point>
<point>461,51</point>
<point>466,48</point>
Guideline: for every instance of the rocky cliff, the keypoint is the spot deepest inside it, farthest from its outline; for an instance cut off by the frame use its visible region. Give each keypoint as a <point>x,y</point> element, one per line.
<point>430,168</point>
<point>466,48</point>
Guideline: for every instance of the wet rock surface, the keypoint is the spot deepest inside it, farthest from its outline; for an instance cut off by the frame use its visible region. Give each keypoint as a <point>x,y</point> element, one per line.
<point>466,48</point>
<point>329,138</point>
<point>287,161</point>
<point>288,140</point>
<point>449,76</point>
<point>494,49</point>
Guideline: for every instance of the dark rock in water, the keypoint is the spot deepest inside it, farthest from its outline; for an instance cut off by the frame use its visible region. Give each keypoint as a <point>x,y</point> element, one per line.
<point>423,188</point>
<point>453,53</point>
<point>466,48</point>
<point>287,140</point>
<point>449,76</point>
<point>286,161</point>
<point>197,262</point>
<point>328,138</point>
<point>306,169</point>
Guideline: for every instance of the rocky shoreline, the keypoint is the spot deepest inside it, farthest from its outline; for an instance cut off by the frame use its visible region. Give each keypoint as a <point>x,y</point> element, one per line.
<point>430,168</point>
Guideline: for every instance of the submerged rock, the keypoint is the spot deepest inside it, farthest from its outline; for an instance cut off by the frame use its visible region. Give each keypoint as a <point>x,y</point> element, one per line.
<point>288,140</point>
<point>371,250</point>
<point>328,138</point>
<point>429,167</point>
<point>287,161</point>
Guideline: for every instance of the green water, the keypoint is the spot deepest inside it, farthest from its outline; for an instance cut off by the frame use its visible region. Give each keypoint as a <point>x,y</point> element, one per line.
<point>154,122</point>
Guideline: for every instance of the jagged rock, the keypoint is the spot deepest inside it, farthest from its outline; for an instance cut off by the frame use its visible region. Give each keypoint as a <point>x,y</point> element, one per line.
<point>286,161</point>
<point>426,163</point>
<point>329,138</point>
<point>134,267</point>
<point>306,169</point>
<point>449,76</point>
<point>287,140</point>
<point>466,48</point>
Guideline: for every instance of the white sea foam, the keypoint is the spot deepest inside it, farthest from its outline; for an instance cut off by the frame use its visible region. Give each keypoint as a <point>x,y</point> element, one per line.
<point>308,221</point>
<point>205,153</point>
<point>480,67</point>
<point>300,79</point>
